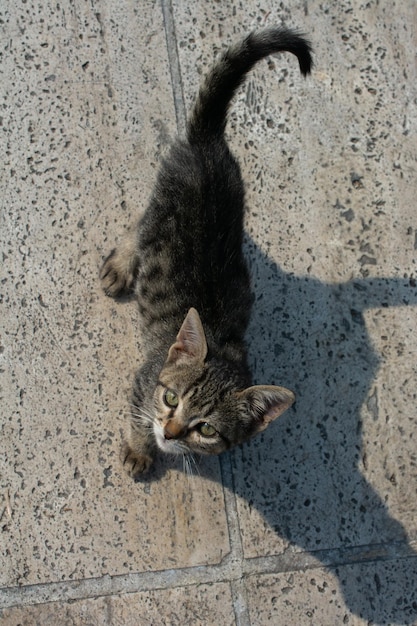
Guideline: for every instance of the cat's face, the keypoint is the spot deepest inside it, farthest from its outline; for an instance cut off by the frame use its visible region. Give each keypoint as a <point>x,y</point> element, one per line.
<point>196,404</point>
<point>191,412</point>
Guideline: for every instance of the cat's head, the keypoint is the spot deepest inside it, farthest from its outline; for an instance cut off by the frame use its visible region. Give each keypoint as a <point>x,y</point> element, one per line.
<point>198,405</point>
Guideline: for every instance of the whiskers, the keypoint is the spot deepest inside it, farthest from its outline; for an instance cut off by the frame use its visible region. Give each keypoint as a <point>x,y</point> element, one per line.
<point>141,416</point>
<point>189,465</point>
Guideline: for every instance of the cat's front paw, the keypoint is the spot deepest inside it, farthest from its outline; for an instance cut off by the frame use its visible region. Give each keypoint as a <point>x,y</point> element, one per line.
<point>135,463</point>
<point>117,274</point>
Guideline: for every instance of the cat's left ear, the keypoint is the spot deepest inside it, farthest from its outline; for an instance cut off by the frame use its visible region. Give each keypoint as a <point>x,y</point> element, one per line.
<point>191,341</point>
<point>266,403</point>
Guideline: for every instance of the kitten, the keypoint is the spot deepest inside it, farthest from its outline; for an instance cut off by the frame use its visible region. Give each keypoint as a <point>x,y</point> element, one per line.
<point>185,263</point>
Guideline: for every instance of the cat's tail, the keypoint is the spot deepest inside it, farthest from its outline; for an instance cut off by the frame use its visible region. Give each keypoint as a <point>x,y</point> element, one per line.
<point>209,116</point>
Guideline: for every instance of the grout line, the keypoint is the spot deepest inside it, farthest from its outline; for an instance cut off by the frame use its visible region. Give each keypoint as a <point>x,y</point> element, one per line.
<point>237,584</point>
<point>231,506</point>
<point>230,570</point>
<point>174,65</point>
<point>293,560</point>
<point>240,602</point>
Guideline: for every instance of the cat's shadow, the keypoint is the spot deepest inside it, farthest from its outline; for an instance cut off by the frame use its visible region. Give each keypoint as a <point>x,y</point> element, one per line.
<point>304,474</point>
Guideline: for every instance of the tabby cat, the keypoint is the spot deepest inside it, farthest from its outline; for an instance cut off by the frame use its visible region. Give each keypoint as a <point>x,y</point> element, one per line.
<point>184,262</point>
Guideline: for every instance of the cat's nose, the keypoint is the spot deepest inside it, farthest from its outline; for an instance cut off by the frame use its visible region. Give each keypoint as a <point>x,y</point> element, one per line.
<point>173,430</point>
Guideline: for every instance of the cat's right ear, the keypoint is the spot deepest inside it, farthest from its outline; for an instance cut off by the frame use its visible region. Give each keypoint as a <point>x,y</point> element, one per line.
<point>265,403</point>
<point>191,341</point>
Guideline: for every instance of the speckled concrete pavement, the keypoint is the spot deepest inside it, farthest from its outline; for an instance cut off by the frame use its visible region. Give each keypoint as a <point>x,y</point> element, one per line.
<point>315,522</point>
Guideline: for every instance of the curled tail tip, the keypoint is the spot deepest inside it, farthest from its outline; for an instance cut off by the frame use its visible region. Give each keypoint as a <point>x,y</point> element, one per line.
<point>280,39</point>
<point>300,45</point>
<point>305,59</point>
<point>290,40</point>
<point>306,65</point>
<point>210,111</point>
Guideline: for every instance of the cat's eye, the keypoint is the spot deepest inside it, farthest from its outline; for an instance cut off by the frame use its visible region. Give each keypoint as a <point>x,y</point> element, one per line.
<point>171,398</point>
<point>207,430</point>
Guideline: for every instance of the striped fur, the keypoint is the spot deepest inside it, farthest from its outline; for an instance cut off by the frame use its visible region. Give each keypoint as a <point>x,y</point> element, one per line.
<point>186,267</point>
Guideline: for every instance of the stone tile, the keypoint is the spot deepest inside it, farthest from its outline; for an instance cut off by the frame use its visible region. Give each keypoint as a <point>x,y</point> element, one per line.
<point>329,164</point>
<point>88,111</point>
<point>361,594</point>
<point>201,604</point>
<point>331,233</point>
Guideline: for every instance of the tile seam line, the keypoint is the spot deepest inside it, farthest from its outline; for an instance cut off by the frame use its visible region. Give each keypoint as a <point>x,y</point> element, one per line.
<point>111,585</point>
<point>228,571</point>
<point>237,585</point>
<point>174,65</point>
<point>330,558</point>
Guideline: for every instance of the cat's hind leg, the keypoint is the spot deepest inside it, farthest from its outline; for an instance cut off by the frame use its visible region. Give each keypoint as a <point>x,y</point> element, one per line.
<point>119,270</point>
